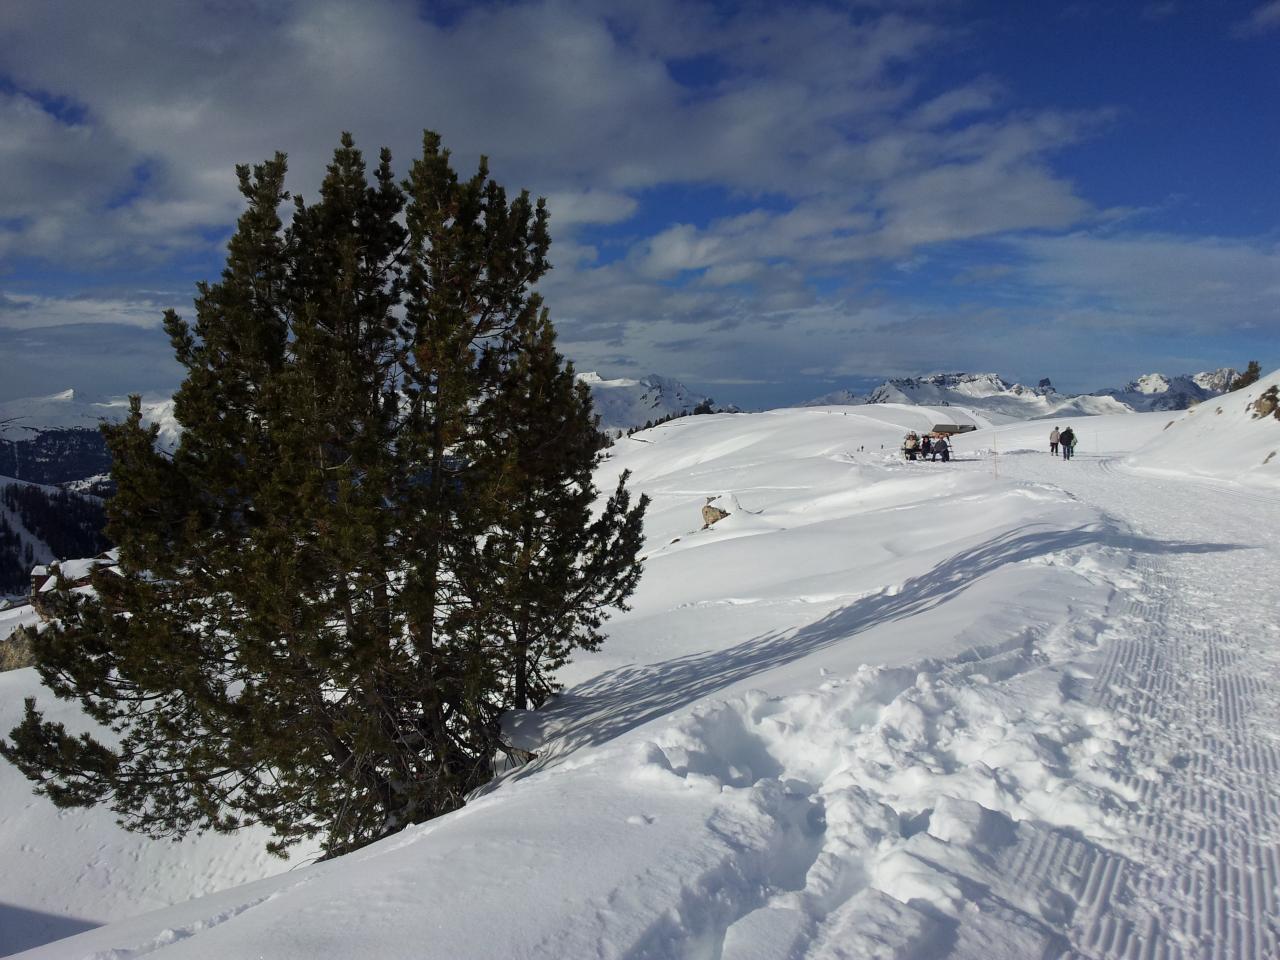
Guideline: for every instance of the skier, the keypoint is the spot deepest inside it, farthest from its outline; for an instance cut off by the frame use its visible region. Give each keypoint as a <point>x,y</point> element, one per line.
<point>1054,436</point>
<point>1067,440</point>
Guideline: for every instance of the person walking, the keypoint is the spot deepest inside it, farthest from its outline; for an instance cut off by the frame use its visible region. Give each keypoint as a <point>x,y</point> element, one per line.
<point>1054,436</point>
<point>1067,440</point>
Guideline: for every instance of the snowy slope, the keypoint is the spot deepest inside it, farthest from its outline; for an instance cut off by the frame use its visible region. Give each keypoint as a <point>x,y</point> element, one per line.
<point>1224,439</point>
<point>1112,435</point>
<point>624,403</point>
<point>883,709</point>
<point>71,870</point>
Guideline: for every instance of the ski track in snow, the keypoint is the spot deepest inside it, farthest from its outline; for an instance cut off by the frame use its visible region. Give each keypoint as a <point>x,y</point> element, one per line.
<point>1194,667</point>
<point>1103,791</point>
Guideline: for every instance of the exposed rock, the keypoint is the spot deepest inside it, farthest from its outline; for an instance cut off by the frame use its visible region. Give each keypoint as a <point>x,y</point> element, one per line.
<point>712,514</point>
<point>1267,405</point>
<point>15,651</point>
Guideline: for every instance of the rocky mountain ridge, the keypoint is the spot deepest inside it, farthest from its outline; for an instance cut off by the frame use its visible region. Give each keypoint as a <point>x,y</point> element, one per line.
<point>624,403</point>
<point>1155,391</point>
<point>991,392</point>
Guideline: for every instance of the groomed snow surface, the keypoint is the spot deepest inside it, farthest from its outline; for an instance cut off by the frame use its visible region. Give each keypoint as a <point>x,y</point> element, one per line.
<point>1007,707</point>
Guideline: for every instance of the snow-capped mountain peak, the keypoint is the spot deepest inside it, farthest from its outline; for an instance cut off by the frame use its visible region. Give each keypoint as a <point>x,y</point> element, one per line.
<point>1150,383</point>
<point>624,403</point>
<point>1216,381</point>
<point>1156,391</point>
<point>991,393</point>
<point>988,392</point>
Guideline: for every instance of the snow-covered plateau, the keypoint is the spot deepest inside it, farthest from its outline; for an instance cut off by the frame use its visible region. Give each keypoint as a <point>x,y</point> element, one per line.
<point>1004,707</point>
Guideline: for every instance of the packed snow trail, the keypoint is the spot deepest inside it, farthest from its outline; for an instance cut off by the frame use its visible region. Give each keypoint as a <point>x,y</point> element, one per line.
<point>1194,670</point>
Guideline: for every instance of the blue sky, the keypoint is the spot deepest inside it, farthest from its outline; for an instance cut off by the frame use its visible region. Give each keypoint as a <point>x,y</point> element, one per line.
<point>768,201</point>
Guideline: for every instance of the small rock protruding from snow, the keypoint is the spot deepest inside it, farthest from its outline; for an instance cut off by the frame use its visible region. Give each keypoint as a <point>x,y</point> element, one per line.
<point>712,514</point>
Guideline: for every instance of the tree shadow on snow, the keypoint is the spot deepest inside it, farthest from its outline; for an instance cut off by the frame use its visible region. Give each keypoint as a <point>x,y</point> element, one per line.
<point>22,928</point>
<point>617,701</point>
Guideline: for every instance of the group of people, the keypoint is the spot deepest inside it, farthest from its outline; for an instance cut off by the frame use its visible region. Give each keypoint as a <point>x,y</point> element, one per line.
<point>931,446</point>
<point>1064,439</point>
<point>928,447</point>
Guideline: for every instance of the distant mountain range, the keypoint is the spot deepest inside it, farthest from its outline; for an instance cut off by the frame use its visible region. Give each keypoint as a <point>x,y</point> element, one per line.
<point>52,454</point>
<point>1155,391</point>
<point>992,394</point>
<point>623,403</point>
<point>54,464</point>
<point>55,439</point>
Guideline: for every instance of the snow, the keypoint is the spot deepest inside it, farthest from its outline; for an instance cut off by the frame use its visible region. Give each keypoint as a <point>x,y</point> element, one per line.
<point>14,618</point>
<point>1006,707</point>
<point>624,403</point>
<point>19,419</point>
<point>71,870</point>
<point>991,393</point>
<point>1222,439</point>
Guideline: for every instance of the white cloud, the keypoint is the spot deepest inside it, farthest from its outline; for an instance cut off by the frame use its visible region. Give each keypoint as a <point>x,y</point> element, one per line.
<point>979,97</point>
<point>1263,19</point>
<point>573,99</point>
<point>589,206</point>
<point>816,122</point>
<point>32,311</point>
<point>1160,283</point>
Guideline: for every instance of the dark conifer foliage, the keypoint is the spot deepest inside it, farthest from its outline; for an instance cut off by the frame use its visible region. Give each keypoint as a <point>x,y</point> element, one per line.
<point>545,559</point>
<point>16,560</point>
<point>375,536</point>
<point>1250,375</point>
<point>70,524</point>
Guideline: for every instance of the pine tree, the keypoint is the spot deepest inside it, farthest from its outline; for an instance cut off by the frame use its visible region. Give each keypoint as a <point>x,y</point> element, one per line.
<point>1250,375</point>
<point>304,631</point>
<point>544,557</point>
